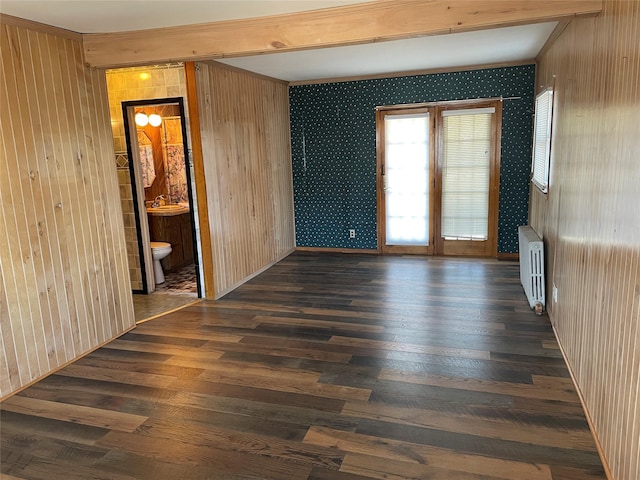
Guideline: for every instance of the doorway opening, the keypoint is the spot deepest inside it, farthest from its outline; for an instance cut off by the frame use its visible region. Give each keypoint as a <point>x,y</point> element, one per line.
<point>163,199</point>
<point>438,178</point>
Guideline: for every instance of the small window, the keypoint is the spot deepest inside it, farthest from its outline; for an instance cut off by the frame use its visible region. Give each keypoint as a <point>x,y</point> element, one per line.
<point>542,140</point>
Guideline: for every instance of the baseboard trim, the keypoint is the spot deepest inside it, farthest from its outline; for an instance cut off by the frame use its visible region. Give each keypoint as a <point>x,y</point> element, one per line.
<point>603,458</point>
<point>65,364</point>
<point>337,250</point>
<point>511,257</point>
<point>219,295</point>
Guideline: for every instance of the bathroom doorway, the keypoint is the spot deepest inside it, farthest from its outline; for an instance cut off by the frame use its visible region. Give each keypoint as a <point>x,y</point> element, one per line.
<point>163,199</point>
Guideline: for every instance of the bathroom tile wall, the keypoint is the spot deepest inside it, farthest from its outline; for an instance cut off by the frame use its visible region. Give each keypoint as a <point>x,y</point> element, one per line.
<point>126,200</point>
<point>130,84</point>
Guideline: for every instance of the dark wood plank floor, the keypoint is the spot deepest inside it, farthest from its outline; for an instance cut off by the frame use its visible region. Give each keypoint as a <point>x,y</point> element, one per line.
<point>339,367</point>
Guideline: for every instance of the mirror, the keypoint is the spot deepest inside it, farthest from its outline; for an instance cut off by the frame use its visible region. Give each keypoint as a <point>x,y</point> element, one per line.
<point>161,152</point>
<point>146,159</point>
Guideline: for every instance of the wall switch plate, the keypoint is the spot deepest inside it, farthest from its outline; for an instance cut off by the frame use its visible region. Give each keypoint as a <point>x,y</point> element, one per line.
<point>352,233</point>
<point>555,293</point>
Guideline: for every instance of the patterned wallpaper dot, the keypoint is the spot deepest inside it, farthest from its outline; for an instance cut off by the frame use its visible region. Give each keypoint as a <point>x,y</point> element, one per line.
<point>333,139</point>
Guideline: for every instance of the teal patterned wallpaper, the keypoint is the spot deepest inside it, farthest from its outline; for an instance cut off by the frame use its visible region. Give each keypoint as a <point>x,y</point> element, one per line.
<point>334,168</point>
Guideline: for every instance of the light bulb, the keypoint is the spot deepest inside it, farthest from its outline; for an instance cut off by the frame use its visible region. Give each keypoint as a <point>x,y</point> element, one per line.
<point>155,120</point>
<point>141,119</point>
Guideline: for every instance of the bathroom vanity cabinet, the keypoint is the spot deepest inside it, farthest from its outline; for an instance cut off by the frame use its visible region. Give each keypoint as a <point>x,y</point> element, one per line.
<point>176,230</point>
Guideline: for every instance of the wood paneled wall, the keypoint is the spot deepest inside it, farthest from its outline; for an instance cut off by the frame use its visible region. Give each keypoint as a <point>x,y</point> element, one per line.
<point>244,123</point>
<point>590,220</point>
<point>64,285</point>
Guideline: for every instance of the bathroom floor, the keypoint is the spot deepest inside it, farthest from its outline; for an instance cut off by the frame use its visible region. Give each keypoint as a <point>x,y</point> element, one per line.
<point>146,307</point>
<point>178,290</point>
<point>182,282</point>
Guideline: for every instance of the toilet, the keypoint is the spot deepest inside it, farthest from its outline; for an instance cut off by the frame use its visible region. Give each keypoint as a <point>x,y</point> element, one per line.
<point>159,250</point>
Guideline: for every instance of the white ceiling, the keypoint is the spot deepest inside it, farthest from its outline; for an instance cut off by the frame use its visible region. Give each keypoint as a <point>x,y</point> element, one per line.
<point>509,44</point>
<point>102,16</point>
<point>483,47</point>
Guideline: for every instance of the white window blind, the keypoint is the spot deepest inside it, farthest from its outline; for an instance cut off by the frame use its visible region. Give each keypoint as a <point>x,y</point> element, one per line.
<point>542,140</point>
<point>466,159</point>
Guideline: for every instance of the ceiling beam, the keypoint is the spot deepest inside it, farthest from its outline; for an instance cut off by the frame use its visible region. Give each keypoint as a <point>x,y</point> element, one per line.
<point>353,24</point>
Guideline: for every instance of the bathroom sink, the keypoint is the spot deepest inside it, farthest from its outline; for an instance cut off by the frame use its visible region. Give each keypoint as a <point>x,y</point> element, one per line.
<point>171,209</point>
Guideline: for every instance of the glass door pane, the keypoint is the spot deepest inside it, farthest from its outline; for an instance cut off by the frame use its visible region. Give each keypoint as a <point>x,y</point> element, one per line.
<point>466,162</point>
<point>406,177</point>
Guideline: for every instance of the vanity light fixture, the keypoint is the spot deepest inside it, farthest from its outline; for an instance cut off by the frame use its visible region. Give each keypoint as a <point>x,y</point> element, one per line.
<point>141,119</point>
<point>155,120</point>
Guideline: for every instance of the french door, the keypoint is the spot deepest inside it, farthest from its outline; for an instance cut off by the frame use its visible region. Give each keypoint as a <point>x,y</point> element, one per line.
<point>438,176</point>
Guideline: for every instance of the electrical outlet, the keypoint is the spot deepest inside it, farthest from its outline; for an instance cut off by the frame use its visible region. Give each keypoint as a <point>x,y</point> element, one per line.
<point>555,293</point>
<point>352,233</point>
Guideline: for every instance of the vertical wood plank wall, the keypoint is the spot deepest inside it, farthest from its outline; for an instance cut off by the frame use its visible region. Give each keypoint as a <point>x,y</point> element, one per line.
<point>590,220</point>
<point>244,121</point>
<point>64,285</point>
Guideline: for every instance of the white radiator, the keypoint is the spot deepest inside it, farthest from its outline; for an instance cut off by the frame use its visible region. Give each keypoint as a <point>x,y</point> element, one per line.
<point>532,267</point>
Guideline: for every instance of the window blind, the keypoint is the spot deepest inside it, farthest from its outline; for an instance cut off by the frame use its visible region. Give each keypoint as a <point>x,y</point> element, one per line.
<point>466,159</point>
<point>542,140</point>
